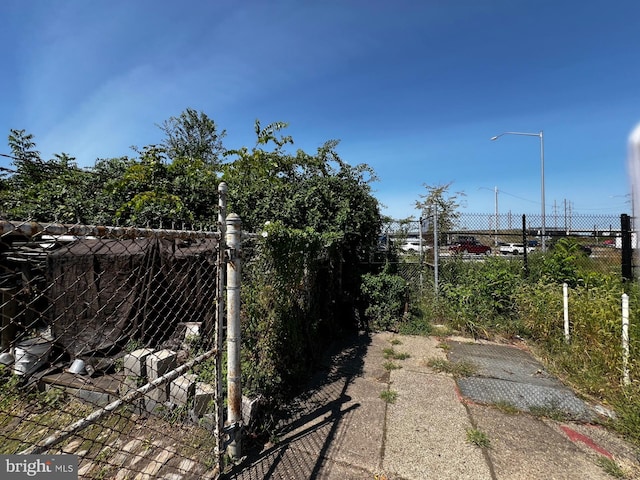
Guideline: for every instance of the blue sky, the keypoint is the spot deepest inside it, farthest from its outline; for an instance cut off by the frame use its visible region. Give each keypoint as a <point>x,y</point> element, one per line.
<point>415,89</point>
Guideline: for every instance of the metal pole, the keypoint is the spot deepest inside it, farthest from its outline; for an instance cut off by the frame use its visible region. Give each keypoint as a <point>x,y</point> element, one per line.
<point>540,135</point>
<point>421,258</point>
<point>626,244</point>
<point>436,253</point>
<point>234,386</point>
<point>525,259</point>
<point>219,327</point>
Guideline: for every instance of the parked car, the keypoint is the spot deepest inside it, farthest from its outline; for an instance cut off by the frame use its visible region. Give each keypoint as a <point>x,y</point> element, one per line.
<point>515,248</point>
<point>412,245</point>
<point>470,247</point>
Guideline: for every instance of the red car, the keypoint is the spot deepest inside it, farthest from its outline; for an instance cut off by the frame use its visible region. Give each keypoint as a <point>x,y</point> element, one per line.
<point>470,247</point>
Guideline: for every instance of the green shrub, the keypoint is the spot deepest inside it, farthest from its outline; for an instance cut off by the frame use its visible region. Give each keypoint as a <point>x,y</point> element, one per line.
<point>566,262</point>
<point>385,295</point>
<point>293,285</point>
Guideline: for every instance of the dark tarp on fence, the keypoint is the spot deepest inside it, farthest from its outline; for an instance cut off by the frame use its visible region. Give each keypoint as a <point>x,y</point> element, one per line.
<point>103,293</point>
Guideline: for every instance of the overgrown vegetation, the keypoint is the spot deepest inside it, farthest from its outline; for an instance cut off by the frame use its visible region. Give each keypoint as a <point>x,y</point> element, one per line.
<point>318,219</point>
<point>391,354</point>
<point>304,282</point>
<point>386,295</point>
<point>611,467</point>
<point>494,298</point>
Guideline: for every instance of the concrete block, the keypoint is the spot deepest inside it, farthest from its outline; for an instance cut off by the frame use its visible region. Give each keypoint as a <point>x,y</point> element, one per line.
<point>182,389</point>
<point>156,398</point>
<point>203,399</point>
<point>134,370</point>
<point>159,363</point>
<point>135,363</point>
<point>250,407</point>
<point>192,329</point>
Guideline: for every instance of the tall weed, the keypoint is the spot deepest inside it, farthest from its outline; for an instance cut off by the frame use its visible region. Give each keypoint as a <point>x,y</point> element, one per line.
<point>495,297</point>
<point>481,296</point>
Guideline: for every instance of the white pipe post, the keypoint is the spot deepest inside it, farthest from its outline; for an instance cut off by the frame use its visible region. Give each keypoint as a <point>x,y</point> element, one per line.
<point>234,388</point>
<point>625,340</point>
<point>565,299</point>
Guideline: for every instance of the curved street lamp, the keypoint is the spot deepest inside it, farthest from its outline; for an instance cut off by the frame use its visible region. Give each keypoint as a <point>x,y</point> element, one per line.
<point>539,135</point>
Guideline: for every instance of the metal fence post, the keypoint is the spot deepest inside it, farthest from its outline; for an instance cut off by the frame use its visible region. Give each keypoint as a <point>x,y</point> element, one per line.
<point>219,326</point>
<point>234,387</point>
<point>627,251</point>
<point>421,257</point>
<point>525,245</point>
<point>436,252</point>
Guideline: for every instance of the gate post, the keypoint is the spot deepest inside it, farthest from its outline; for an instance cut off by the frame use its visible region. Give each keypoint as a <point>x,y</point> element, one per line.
<point>221,276</point>
<point>234,386</point>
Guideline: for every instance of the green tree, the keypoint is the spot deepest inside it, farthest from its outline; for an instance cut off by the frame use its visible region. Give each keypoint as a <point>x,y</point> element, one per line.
<point>259,179</point>
<point>439,201</point>
<point>155,191</point>
<point>52,190</point>
<point>193,135</point>
<point>25,156</point>
<point>318,191</point>
<point>107,196</point>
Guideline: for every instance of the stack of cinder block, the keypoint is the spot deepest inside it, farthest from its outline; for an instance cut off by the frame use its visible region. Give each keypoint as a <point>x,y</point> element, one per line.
<point>146,365</point>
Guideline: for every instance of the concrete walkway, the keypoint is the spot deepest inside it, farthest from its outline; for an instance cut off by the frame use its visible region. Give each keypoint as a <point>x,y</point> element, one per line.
<point>342,428</point>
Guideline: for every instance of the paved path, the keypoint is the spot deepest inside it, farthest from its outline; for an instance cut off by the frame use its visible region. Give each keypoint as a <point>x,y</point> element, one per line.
<point>342,429</point>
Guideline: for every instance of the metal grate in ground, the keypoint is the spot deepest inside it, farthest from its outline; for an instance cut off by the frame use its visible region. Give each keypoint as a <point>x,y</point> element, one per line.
<point>512,376</point>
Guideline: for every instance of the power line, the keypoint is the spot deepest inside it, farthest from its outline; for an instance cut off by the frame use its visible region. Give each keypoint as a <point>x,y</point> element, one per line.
<point>519,198</point>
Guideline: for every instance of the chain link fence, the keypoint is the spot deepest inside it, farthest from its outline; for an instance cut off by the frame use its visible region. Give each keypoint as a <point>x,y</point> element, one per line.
<point>110,349</point>
<point>414,246</point>
<point>111,345</point>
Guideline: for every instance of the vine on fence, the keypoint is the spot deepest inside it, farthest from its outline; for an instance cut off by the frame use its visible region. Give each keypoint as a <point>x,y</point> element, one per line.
<point>291,287</point>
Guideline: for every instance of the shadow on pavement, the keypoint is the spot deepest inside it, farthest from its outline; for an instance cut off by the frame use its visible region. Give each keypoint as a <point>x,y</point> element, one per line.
<point>309,423</point>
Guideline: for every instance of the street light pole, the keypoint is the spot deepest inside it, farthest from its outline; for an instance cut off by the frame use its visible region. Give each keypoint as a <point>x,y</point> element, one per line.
<point>542,210</point>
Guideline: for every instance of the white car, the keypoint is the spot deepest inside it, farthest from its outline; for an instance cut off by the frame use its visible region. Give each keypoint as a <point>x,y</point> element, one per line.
<point>412,245</point>
<point>514,248</point>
